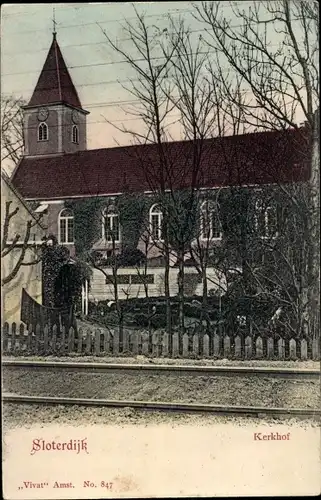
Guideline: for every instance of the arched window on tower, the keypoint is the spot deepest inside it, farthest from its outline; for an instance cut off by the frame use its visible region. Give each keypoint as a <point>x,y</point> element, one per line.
<point>110,224</point>
<point>75,134</point>
<point>66,226</point>
<point>156,222</point>
<point>43,132</point>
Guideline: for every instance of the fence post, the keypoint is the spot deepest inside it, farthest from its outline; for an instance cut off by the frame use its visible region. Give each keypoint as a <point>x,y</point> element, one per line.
<point>196,344</point>
<point>13,337</point>
<point>88,342</point>
<point>206,346</point>
<point>45,339</point>
<point>185,345</point>
<point>71,339</point>
<point>80,340</point>
<point>165,346</point>
<point>5,334</point>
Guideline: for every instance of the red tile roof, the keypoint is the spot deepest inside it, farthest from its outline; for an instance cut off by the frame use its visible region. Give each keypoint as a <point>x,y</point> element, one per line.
<point>256,158</point>
<point>54,84</point>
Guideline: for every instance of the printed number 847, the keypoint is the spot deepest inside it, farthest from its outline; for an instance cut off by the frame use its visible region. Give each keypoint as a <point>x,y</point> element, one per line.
<point>109,486</point>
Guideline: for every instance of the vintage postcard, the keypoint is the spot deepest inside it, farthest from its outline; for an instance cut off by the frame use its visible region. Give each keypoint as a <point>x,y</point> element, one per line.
<point>160,249</point>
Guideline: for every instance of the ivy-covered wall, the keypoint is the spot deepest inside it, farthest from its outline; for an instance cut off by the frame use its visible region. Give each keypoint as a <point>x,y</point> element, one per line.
<point>236,212</point>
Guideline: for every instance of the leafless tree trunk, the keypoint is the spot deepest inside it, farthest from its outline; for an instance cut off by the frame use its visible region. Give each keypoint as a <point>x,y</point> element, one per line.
<point>12,138</point>
<point>7,246</point>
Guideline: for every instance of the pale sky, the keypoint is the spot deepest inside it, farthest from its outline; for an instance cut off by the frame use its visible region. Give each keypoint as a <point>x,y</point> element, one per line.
<point>93,65</point>
<point>27,36</point>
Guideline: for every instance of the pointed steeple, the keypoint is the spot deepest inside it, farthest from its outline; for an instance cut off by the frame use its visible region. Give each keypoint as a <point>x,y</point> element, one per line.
<point>55,84</point>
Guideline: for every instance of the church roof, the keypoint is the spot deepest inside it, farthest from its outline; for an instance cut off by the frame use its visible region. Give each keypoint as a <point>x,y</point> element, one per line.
<point>55,84</point>
<point>250,159</point>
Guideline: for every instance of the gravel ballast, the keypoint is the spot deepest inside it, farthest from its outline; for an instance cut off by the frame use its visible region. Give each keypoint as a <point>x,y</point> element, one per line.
<point>140,359</point>
<point>27,416</point>
<point>219,390</point>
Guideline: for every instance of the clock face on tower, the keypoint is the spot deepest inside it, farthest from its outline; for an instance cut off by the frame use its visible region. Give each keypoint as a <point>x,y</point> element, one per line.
<point>74,116</point>
<point>43,114</point>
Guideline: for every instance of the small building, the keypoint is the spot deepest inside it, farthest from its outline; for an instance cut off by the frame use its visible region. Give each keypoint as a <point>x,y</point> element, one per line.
<point>21,236</point>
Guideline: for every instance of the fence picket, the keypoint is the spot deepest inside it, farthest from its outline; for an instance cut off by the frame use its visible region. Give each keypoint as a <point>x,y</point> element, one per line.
<point>63,340</point>
<point>13,337</point>
<point>80,340</point>
<point>227,346</point>
<point>248,347</point>
<point>145,343</point>
<point>37,343</point>
<point>5,335</point>
<point>281,349</point>
<point>216,345</point>
<point>97,342</point>
<point>185,345</point>
<point>304,350</point>
<point>315,348</point>
<point>71,339</point>
<point>21,337</point>
<point>46,340</point>
<point>206,346</point>
<point>155,344</point>
<point>115,337</point>
<point>196,345</point>
<point>165,345</point>
<point>54,337</point>
<point>292,349</point>
<point>270,348</point>
<point>88,342</point>
<point>125,341</point>
<point>107,341</point>
<point>175,345</point>
<point>237,347</point>
<point>259,348</point>
<point>134,341</point>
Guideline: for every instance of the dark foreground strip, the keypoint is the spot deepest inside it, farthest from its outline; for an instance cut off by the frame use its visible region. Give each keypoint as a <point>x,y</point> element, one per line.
<point>166,369</point>
<point>169,407</point>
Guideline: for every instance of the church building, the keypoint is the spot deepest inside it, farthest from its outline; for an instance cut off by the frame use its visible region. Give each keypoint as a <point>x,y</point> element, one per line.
<point>57,171</point>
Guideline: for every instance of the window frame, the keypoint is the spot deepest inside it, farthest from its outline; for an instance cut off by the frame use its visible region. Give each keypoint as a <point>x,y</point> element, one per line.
<point>210,212</point>
<point>263,212</point>
<point>66,219</point>
<point>109,214</point>
<point>156,211</point>
<point>41,126</point>
<point>75,128</point>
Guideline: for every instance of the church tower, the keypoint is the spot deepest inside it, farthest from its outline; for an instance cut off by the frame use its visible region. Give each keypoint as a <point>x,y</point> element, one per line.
<point>54,120</point>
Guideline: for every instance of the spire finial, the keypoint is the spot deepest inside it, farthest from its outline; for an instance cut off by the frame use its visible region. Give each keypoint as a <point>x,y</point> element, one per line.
<point>54,23</point>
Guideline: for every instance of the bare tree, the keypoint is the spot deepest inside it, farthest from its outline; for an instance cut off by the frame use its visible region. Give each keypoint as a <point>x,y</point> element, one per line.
<point>12,138</point>
<point>154,109</point>
<point>271,48</point>
<point>19,242</point>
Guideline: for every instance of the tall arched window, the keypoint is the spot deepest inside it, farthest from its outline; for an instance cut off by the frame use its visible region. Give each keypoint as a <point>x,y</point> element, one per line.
<point>43,132</point>
<point>211,228</point>
<point>75,134</point>
<point>66,226</point>
<point>110,224</point>
<point>156,220</point>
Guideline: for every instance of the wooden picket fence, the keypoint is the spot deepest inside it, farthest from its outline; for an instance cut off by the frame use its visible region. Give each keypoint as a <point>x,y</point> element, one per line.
<point>22,340</point>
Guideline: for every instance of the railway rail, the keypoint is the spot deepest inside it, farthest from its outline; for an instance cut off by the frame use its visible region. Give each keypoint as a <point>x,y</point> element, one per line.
<point>164,406</point>
<point>155,369</point>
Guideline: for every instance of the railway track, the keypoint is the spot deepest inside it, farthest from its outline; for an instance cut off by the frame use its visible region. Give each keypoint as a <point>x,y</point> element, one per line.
<point>155,369</point>
<point>167,407</point>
